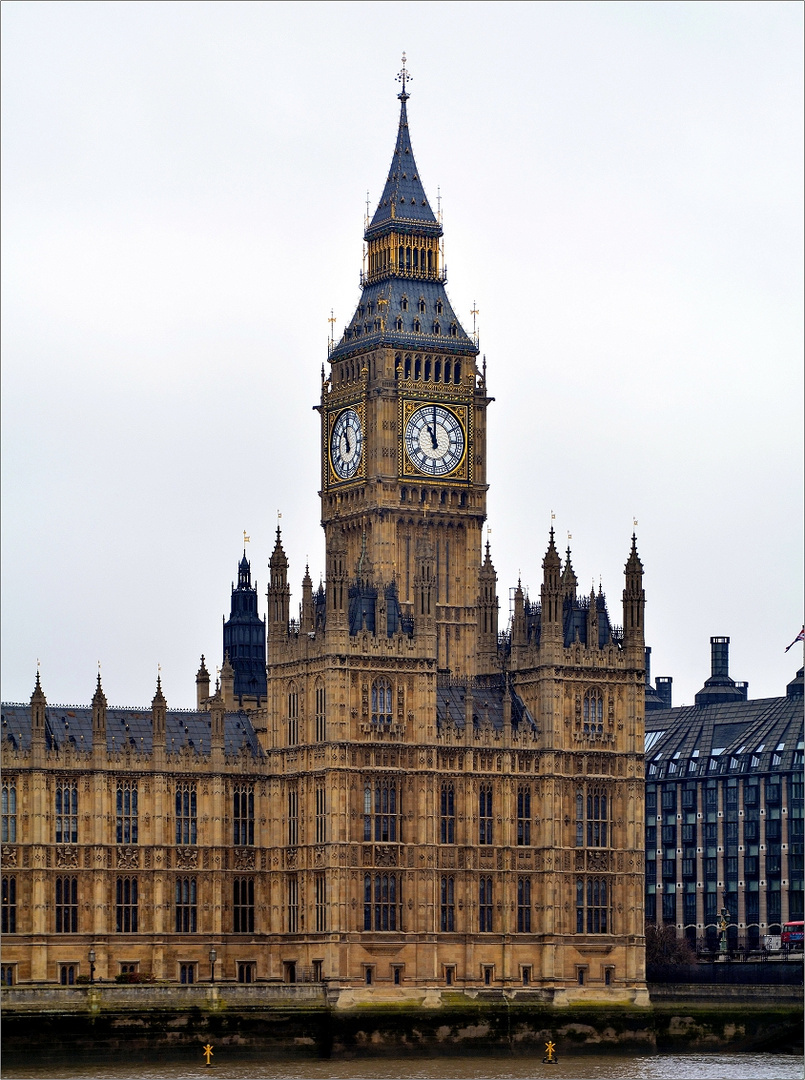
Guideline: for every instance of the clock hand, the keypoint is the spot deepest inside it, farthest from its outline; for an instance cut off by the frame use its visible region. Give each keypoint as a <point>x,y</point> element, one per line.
<point>346,439</point>
<point>433,438</point>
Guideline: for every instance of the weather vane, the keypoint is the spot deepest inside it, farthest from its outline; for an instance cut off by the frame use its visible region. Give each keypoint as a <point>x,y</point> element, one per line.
<point>403,77</point>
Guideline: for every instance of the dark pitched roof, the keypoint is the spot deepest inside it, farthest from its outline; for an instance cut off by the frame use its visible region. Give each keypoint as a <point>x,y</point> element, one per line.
<point>762,735</point>
<point>128,728</point>
<point>403,199</point>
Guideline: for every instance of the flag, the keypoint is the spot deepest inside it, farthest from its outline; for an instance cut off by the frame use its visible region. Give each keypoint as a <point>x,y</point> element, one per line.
<point>800,637</point>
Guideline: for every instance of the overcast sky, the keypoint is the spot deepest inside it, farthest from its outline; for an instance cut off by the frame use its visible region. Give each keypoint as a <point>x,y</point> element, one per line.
<point>184,195</point>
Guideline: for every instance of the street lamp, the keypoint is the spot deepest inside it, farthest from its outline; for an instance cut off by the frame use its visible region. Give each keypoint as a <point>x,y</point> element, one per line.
<point>213,957</point>
<point>92,965</point>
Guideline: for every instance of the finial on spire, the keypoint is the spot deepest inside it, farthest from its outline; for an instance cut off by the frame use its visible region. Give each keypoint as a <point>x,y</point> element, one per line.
<point>404,77</point>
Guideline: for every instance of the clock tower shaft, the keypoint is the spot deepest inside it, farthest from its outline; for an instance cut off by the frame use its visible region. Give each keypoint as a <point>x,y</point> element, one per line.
<point>403,416</point>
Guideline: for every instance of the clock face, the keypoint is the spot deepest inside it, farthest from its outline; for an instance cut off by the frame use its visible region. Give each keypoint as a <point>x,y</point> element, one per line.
<point>434,440</point>
<point>346,444</point>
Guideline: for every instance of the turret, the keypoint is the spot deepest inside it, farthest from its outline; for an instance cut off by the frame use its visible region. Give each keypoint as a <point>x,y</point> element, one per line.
<point>99,722</point>
<point>634,604</point>
<point>425,589</point>
<point>592,621</point>
<point>228,683</point>
<point>202,685</point>
<point>487,616</point>
<point>38,707</point>
<point>337,592</point>
<point>569,580</point>
<point>245,643</point>
<point>306,615</point>
<point>551,627</point>
<point>279,593</point>
<point>217,719</point>
<point>159,721</point>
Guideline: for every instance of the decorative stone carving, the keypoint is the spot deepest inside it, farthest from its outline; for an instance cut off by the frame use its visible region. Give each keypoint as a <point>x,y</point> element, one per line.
<point>244,858</point>
<point>186,858</point>
<point>9,857</point>
<point>128,858</point>
<point>385,856</point>
<point>67,857</point>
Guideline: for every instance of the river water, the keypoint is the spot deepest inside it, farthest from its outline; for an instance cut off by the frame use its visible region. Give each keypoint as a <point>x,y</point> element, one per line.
<point>587,1067</point>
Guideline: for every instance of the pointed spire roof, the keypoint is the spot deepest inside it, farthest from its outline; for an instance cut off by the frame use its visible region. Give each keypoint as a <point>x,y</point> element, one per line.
<point>278,557</point>
<point>159,697</point>
<point>403,300</point>
<point>634,565</point>
<point>202,671</point>
<point>99,698</point>
<point>551,560</point>
<point>568,574</point>
<point>403,199</point>
<point>38,694</point>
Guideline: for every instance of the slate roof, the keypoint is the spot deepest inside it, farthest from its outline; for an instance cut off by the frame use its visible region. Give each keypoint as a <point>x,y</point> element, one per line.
<point>451,696</point>
<point>403,197</point>
<point>403,207</point>
<point>128,728</point>
<point>762,735</point>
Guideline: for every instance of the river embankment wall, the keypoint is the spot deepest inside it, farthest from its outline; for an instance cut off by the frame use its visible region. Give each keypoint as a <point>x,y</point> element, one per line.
<point>282,1021</point>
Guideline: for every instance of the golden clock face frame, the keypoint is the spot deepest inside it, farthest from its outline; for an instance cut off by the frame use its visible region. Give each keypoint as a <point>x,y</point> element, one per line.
<point>346,444</point>
<point>434,440</point>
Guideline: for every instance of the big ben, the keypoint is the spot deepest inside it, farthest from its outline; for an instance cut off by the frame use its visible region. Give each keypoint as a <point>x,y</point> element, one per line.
<point>403,417</point>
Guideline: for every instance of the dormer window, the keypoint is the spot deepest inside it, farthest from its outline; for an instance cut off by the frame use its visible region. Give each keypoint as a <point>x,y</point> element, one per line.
<point>438,307</point>
<point>417,326</point>
<point>437,329</point>
<point>399,324</point>
<point>404,303</point>
<point>453,330</point>
<point>421,306</point>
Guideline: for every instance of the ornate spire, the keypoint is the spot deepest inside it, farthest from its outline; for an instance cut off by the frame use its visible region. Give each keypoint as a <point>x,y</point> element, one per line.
<point>159,697</point>
<point>99,698</point>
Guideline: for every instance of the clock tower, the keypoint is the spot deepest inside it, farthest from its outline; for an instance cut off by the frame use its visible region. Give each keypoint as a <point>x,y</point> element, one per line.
<point>403,421</point>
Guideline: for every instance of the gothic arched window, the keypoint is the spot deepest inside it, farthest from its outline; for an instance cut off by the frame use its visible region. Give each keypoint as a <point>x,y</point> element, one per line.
<point>381,702</point>
<point>593,712</point>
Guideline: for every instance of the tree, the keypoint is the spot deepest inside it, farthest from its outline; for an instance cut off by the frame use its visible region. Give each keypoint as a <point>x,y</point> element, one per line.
<point>664,947</point>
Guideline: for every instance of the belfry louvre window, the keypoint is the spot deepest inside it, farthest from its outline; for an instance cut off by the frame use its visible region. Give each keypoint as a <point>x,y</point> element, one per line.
<point>448,903</point>
<point>320,898</point>
<point>186,905</point>
<point>9,828</point>
<point>321,813</point>
<point>243,905</point>
<point>9,905</point>
<point>523,815</point>
<point>382,902</point>
<point>293,815</point>
<point>126,816</point>
<point>381,702</point>
<point>293,716</point>
<point>593,711</point>
<point>448,814</point>
<point>126,910</point>
<point>485,814</point>
<point>321,716</point>
<point>592,906</point>
<point>485,905</point>
<point>186,813</point>
<point>67,812</point>
<point>66,897</point>
<point>592,818</point>
<point>293,905</point>
<point>381,812</point>
<point>523,905</point>
<point>243,815</point>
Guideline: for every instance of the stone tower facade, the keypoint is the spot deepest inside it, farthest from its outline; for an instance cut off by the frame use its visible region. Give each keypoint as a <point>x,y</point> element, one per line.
<point>417,802</point>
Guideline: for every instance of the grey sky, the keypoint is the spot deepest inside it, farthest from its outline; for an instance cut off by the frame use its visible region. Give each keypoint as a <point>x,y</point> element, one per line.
<point>184,190</point>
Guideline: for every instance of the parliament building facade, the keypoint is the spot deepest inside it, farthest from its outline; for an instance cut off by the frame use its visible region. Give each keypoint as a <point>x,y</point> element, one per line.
<point>390,795</point>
